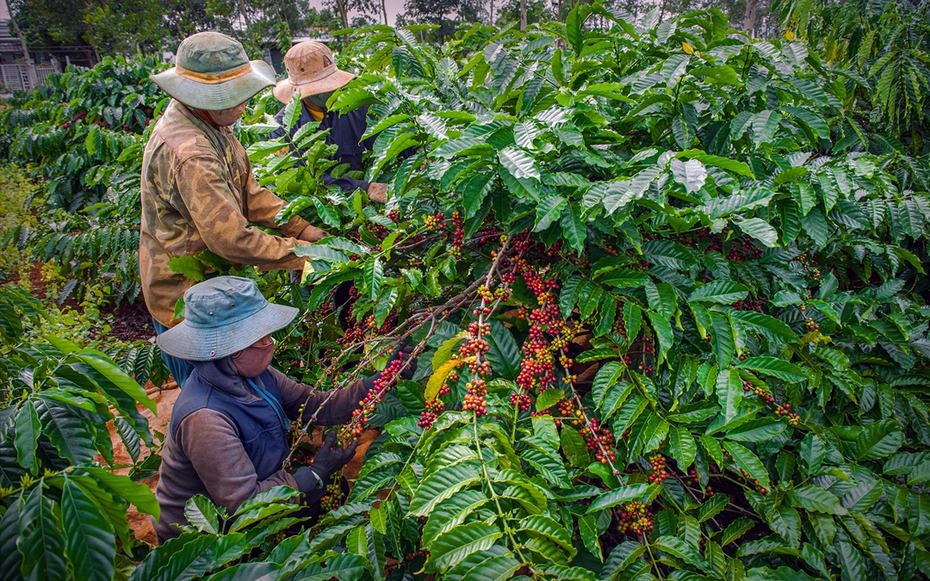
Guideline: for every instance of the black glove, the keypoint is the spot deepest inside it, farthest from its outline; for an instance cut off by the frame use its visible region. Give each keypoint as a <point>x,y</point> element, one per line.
<point>403,353</point>
<point>331,458</point>
<point>307,481</point>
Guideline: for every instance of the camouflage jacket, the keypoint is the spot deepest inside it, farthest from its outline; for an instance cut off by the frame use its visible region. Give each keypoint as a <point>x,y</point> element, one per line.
<point>198,194</point>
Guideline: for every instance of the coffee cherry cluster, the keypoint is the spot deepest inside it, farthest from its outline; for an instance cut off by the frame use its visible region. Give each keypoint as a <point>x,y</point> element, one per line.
<point>812,325</point>
<point>434,222</point>
<point>538,367</point>
<point>521,400</point>
<point>785,411</point>
<point>697,481</point>
<point>367,406</point>
<point>474,346</point>
<point>641,357</point>
<point>600,441</point>
<point>782,410</point>
<point>619,326</point>
<point>522,241</point>
<point>634,518</point>
<point>365,329</point>
<point>659,473</point>
<point>743,250</point>
<point>474,397</point>
<point>748,305</point>
<point>567,410</point>
<point>334,495</point>
<point>754,482</point>
<point>491,296</point>
<point>704,239</point>
<point>434,407</point>
<point>458,236</point>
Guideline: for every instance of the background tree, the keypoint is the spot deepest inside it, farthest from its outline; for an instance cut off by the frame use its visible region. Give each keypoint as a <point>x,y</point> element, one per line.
<point>537,12</point>
<point>126,26</point>
<point>108,27</point>
<point>447,15</point>
<point>52,22</point>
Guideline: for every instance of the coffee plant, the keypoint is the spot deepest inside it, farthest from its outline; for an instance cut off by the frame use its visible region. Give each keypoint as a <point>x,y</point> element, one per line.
<point>667,288</point>
<point>673,297</point>
<point>64,510</point>
<point>84,132</point>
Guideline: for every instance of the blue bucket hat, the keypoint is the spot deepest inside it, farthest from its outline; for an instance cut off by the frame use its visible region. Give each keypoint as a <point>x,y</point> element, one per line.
<point>213,73</point>
<point>223,316</point>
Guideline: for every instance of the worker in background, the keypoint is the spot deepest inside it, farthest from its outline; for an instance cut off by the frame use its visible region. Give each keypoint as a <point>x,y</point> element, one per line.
<point>227,438</point>
<point>198,192</point>
<point>312,72</point>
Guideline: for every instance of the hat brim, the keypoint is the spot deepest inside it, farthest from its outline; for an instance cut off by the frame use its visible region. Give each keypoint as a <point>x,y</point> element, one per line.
<point>284,91</point>
<point>186,341</point>
<point>217,96</point>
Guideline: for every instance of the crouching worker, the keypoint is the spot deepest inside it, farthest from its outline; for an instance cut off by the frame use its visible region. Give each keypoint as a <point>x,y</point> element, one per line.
<point>227,438</point>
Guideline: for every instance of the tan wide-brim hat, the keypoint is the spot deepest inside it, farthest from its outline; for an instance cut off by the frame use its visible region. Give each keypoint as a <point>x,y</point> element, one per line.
<point>311,69</point>
<point>213,73</point>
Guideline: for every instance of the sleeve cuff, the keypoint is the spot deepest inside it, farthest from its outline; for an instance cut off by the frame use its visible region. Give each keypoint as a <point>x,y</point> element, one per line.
<point>293,227</point>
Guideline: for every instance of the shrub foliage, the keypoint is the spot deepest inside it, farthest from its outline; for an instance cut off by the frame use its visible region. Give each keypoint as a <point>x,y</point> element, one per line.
<point>667,285</point>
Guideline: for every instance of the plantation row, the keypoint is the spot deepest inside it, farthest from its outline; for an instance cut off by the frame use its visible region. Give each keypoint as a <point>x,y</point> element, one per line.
<point>667,284</point>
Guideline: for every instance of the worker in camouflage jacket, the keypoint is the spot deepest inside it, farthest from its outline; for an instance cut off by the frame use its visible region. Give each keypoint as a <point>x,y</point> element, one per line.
<point>198,192</point>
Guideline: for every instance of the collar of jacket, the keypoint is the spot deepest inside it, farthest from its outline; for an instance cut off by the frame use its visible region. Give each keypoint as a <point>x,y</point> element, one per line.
<point>223,375</point>
<point>200,118</point>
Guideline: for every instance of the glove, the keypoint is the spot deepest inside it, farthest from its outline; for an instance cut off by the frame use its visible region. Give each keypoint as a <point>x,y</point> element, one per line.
<point>312,234</point>
<point>331,458</point>
<point>377,192</point>
<point>306,480</point>
<point>403,353</point>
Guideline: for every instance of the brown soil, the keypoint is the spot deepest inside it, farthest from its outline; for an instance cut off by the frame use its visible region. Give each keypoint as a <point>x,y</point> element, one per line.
<point>37,282</point>
<point>129,321</point>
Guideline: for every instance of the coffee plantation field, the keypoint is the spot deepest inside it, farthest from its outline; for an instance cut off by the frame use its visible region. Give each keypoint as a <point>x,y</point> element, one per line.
<point>667,284</point>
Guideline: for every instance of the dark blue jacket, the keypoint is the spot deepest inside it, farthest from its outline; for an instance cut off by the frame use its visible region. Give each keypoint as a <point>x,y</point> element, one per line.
<point>346,132</point>
<point>262,435</point>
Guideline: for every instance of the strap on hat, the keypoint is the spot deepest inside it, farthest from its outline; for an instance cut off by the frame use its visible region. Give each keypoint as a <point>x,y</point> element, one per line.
<point>214,78</point>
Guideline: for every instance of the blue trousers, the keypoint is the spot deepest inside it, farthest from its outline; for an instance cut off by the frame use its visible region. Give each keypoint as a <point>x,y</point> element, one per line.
<point>180,368</point>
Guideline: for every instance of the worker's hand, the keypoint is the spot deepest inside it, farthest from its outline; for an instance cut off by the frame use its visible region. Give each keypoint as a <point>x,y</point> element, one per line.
<point>377,192</point>
<point>331,458</point>
<point>402,353</point>
<point>312,234</point>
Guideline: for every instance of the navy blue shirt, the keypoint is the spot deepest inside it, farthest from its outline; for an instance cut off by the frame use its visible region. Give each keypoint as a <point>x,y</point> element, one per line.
<point>346,131</point>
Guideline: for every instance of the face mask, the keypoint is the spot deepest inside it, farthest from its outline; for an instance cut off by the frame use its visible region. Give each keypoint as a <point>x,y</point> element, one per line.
<point>252,361</point>
<point>320,100</point>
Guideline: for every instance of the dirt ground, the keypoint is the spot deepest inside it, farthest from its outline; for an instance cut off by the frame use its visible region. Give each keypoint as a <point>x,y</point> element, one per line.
<point>141,524</point>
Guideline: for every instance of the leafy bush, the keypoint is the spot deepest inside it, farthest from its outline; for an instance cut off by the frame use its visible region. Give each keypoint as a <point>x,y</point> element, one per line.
<point>18,190</point>
<point>84,131</point>
<point>669,297</point>
<point>673,298</point>
<point>64,515</point>
<point>884,42</point>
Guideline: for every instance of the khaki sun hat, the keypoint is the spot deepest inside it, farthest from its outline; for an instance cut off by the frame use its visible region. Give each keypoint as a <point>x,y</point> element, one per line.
<point>311,69</point>
<point>213,73</point>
